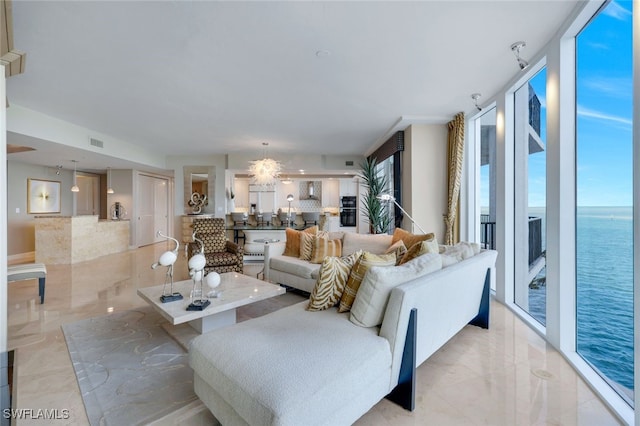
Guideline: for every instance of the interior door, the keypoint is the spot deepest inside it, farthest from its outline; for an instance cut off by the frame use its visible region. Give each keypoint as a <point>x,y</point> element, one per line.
<point>88,199</point>
<point>153,209</point>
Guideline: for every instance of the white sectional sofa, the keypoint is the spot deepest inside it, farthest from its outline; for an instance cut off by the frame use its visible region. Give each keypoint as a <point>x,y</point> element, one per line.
<point>302,274</point>
<point>296,367</point>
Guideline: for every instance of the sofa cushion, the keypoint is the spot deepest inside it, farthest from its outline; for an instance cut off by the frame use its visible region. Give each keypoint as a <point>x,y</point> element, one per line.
<point>376,243</point>
<point>332,278</point>
<point>295,266</point>
<point>410,239</point>
<point>244,364</point>
<point>366,261</point>
<point>371,301</point>
<point>418,249</point>
<point>222,258</point>
<point>323,247</point>
<point>292,247</point>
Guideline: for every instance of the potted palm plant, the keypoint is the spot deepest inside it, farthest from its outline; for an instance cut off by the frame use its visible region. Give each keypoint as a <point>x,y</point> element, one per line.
<point>374,209</point>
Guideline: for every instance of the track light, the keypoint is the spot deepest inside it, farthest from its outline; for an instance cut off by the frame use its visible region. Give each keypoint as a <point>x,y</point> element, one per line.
<point>475,98</point>
<point>516,48</point>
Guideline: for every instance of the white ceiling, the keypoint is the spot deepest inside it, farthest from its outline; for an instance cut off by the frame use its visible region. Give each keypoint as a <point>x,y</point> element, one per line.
<point>198,78</point>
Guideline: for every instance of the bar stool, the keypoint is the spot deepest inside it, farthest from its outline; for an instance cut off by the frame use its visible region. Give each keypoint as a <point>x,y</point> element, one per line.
<point>310,218</point>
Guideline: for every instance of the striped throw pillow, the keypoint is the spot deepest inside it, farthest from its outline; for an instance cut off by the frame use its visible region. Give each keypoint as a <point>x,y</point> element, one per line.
<point>323,247</point>
<point>332,278</point>
<point>366,261</point>
<point>307,243</point>
<point>418,249</point>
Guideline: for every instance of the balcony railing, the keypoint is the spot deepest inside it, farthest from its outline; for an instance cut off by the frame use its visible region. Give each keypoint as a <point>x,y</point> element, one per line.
<point>488,236</point>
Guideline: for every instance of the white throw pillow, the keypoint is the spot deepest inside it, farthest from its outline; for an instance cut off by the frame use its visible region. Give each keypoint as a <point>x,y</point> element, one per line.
<point>373,294</point>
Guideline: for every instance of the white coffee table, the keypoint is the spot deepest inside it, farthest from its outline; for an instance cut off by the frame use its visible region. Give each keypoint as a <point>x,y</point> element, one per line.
<point>236,290</point>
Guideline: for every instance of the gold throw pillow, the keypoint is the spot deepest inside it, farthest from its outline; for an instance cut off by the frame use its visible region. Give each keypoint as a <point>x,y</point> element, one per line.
<point>366,261</point>
<point>408,238</point>
<point>323,247</point>
<point>292,245</point>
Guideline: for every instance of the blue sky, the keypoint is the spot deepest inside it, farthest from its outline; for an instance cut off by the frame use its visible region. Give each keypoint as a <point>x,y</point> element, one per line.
<point>604,111</point>
<point>605,106</point>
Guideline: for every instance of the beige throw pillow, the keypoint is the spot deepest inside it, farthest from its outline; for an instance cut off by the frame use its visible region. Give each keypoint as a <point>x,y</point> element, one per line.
<point>366,261</point>
<point>332,278</point>
<point>373,295</point>
<point>323,247</point>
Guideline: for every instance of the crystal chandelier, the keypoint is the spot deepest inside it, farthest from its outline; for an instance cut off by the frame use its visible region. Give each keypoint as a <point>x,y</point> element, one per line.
<point>265,171</point>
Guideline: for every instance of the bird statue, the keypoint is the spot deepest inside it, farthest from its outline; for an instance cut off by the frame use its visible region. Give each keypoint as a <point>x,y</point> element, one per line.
<point>168,258</point>
<point>196,272</point>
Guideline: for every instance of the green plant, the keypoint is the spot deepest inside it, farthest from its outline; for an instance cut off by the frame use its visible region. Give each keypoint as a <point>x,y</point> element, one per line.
<point>375,210</point>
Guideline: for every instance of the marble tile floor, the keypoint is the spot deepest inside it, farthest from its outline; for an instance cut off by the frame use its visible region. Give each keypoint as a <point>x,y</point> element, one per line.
<point>507,375</point>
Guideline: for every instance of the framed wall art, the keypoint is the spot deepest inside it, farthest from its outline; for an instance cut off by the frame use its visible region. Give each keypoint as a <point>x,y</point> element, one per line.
<point>43,196</point>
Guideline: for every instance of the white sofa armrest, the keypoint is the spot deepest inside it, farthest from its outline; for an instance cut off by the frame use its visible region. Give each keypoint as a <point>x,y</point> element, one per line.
<point>271,250</point>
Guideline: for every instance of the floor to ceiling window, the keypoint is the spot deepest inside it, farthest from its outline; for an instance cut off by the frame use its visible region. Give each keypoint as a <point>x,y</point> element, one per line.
<point>604,192</point>
<point>486,129</point>
<point>530,200</point>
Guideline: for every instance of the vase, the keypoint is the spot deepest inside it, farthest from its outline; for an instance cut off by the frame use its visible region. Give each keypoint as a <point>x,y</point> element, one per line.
<point>231,205</point>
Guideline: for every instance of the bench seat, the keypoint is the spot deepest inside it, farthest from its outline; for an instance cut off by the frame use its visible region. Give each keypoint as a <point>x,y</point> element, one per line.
<point>29,271</point>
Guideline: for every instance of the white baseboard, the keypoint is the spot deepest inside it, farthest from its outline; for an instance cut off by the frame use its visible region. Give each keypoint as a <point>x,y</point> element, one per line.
<point>27,257</point>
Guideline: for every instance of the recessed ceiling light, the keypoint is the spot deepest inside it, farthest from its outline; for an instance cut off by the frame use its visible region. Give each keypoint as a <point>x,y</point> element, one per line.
<point>322,53</point>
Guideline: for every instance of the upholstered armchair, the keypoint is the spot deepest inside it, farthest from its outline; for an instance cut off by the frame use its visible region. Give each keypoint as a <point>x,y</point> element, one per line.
<point>221,255</point>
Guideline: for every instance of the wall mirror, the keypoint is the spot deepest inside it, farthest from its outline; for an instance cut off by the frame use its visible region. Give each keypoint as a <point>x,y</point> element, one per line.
<point>199,181</point>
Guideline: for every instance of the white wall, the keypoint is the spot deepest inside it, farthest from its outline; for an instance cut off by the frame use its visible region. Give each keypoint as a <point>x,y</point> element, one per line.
<point>424,177</point>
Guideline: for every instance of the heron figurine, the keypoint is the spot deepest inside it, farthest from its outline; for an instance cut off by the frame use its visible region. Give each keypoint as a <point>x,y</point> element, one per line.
<point>168,258</point>
<point>196,272</point>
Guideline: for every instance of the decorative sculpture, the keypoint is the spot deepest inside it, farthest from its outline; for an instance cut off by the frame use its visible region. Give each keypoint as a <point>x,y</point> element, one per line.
<point>168,258</point>
<point>196,272</point>
<point>213,280</point>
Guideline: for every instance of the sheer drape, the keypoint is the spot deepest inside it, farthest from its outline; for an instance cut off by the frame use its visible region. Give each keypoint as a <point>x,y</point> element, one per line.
<point>454,162</point>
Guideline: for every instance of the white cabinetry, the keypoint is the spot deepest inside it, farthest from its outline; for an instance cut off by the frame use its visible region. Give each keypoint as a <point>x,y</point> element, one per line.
<point>330,193</point>
<point>348,187</point>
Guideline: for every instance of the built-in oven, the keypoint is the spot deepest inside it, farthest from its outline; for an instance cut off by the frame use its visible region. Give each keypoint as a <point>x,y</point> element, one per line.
<point>348,211</point>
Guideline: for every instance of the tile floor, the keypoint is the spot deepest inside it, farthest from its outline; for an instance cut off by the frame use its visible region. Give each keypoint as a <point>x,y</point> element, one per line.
<point>479,378</point>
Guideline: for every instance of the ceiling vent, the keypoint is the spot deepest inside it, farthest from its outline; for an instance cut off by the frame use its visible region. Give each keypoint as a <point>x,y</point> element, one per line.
<point>97,143</point>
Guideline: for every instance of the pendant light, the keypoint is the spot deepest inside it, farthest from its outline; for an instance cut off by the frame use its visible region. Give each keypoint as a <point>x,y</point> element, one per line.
<point>75,188</point>
<point>109,188</point>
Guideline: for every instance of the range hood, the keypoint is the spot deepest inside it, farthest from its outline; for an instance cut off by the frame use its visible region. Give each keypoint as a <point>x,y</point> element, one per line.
<point>308,190</point>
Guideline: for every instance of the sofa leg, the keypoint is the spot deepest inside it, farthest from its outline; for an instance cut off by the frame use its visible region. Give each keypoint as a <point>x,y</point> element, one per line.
<point>482,319</point>
<point>404,394</point>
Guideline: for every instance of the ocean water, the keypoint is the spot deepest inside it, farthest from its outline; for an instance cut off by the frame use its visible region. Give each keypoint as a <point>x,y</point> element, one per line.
<point>605,291</point>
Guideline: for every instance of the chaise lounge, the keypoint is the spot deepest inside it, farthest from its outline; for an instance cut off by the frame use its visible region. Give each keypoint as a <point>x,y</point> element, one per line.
<point>297,367</point>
